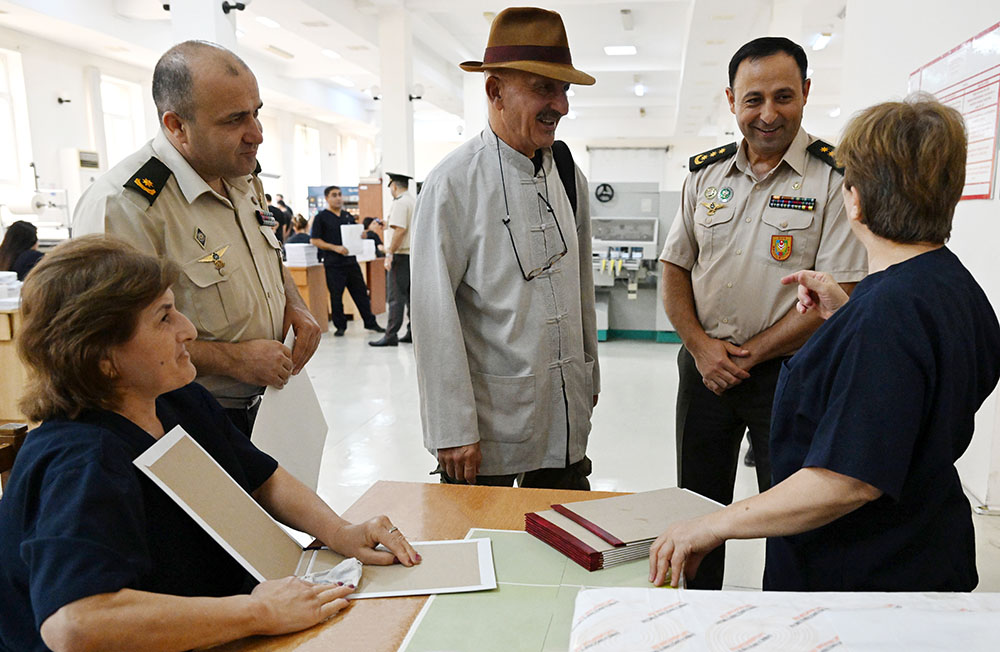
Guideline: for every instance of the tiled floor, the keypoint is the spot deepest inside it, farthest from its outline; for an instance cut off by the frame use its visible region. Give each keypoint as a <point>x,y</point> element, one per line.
<point>369,397</point>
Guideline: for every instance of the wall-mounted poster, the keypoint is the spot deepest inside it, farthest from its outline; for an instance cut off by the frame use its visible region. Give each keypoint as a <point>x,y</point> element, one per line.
<point>967,78</point>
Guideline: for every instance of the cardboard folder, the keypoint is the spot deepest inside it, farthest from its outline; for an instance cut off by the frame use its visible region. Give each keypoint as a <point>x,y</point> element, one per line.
<point>601,533</point>
<point>203,489</point>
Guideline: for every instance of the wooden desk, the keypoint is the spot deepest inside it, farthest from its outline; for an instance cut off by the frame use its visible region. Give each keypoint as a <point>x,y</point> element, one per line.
<point>311,282</point>
<point>424,512</point>
<point>13,376</point>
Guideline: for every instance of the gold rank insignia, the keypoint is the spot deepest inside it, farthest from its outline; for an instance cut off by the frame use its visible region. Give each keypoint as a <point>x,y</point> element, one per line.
<point>825,152</point>
<point>216,258</point>
<point>150,179</point>
<point>712,207</point>
<point>712,156</point>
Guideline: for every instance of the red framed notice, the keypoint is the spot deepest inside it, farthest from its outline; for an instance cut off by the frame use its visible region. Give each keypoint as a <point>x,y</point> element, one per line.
<point>967,78</point>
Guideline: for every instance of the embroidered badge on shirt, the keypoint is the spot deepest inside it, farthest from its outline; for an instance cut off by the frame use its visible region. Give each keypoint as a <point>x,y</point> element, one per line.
<point>781,247</point>
<point>200,237</point>
<point>711,192</point>
<point>216,258</point>
<point>266,218</point>
<point>725,195</point>
<point>796,203</point>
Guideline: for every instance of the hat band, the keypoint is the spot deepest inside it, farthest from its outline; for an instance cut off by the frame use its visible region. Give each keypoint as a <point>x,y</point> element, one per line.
<point>547,53</point>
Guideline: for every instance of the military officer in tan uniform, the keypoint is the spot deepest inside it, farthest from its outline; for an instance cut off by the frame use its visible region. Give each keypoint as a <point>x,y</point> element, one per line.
<point>192,195</point>
<point>751,212</point>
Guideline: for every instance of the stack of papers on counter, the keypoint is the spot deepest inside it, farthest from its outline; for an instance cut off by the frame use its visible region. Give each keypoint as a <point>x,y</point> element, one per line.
<point>603,533</point>
<point>301,255</point>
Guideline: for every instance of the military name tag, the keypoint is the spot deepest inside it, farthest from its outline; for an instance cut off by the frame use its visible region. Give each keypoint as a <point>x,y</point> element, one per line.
<point>796,203</point>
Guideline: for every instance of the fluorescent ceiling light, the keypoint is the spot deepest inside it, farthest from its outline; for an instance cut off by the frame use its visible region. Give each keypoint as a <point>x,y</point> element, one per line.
<point>284,54</point>
<point>619,50</point>
<point>330,54</point>
<point>835,113</point>
<point>639,89</point>
<point>267,22</point>
<point>822,40</point>
<point>343,81</point>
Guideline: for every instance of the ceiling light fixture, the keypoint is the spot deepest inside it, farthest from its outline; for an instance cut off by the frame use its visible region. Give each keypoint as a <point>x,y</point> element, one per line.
<point>822,40</point>
<point>284,54</point>
<point>619,50</point>
<point>639,88</point>
<point>330,54</point>
<point>267,22</point>
<point>835,113</point>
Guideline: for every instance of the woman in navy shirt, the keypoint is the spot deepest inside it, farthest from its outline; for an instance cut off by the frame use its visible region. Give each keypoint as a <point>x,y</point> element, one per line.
<point>871,414</point>
<point>93,555</point>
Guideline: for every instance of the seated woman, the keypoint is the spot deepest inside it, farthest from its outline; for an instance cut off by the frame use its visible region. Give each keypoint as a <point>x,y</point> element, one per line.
<point>300,231</point>
<point>372,234</point>
<point>19,249</point>
<point>93,555</point>
<point>871,414</point>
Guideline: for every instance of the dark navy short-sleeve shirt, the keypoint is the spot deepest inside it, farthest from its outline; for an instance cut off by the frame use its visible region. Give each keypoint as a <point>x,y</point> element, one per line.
<point>886,392</point>
<point>78,518</point>
<point>326,227</point>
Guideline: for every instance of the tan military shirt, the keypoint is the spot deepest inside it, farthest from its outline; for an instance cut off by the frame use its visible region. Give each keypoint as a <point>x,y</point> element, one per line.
<point>738,235</point>
<point>231,284</point>
<point>400,216</point>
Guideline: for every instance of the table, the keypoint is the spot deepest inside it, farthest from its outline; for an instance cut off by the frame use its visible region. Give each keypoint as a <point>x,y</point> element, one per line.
<point>424,511</point>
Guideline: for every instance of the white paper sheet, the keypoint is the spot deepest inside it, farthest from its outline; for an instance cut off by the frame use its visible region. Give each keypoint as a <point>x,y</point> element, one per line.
<point>705,621</point>
<point>352,236</point>
<point>290,426</point>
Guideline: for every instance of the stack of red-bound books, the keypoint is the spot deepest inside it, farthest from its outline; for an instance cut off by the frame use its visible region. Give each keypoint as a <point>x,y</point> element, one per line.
<point>603,533</point>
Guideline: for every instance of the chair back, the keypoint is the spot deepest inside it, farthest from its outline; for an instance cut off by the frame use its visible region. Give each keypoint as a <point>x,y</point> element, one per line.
<point>11,437</point>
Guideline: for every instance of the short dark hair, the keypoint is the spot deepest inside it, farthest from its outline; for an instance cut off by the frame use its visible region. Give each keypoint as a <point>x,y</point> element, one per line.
<point>367,221</point>
<point>172,81</point>
<point>401,182</point>
<point>267,197</point>
<point>20,237</point>
<point>83,299</point>
<point>907,160</point>
<point>329,189</point>
<point>765,46</point>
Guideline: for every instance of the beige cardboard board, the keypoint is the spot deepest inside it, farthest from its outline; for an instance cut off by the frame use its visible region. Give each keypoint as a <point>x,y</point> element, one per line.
<point>640,516</point>
<point>196,482</point>
<point>290,426</point>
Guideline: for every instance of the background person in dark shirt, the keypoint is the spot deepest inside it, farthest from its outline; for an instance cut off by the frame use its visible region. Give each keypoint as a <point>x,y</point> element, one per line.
<point>284,228</point>
<point>372,235</point>
<point>342,268</point>
<point>300,231</point>
<point>19,249</point>
<point>872,413</point>
<point>91,550</point>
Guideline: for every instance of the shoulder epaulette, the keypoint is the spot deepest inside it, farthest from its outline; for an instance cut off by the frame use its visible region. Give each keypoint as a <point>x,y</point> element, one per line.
<point>150,179</point>
<point>824,152</point>
<point>712,156</point>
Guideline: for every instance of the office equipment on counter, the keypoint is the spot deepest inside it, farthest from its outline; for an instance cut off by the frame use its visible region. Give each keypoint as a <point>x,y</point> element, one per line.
<point>202,488</point>
<point>603,533</point>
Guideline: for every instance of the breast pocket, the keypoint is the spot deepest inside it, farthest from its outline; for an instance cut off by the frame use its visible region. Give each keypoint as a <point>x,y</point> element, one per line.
<point>786,237</point>
<point>505,407</point>
<point>713,228</point>
<point>218,302</point>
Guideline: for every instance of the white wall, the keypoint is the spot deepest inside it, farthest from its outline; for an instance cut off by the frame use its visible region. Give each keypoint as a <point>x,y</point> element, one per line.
<point>901,37</point>
<point>52,70</point>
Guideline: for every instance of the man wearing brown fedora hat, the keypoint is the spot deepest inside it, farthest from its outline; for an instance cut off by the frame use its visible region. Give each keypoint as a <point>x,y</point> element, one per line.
<point>502,293</point>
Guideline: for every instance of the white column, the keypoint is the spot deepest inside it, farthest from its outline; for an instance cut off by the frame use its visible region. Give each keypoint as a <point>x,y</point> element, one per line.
<point>474,103</point>
<point>396,71</point>
<point>203,20</point>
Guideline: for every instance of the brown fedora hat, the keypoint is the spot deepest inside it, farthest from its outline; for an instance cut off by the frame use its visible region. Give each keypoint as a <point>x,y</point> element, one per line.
<point>529,39</point>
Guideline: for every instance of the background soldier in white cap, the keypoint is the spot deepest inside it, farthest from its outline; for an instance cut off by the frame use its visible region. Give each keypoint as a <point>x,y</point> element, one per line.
<point>751,212</point>
<point>177,198</point>
<point>397,259</point>
<point>503,295</point>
